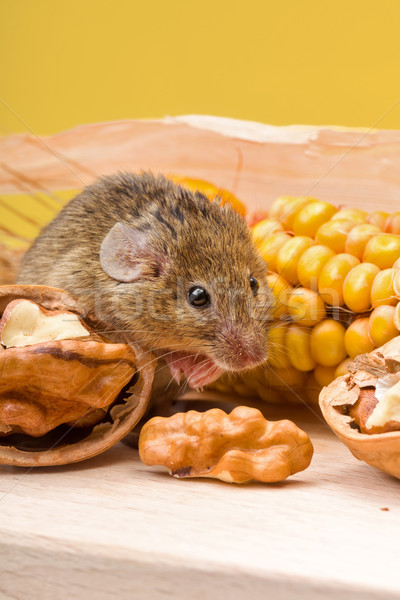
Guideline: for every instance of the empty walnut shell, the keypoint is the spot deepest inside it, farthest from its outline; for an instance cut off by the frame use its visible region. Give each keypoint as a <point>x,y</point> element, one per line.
<point>348,403</point>
<point>64,398</point>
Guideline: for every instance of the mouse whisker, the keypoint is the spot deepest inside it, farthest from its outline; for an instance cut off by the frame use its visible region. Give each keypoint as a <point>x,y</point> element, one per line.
<point>171,380</point>
<point>277,345</point>
<point>157,358</point>
<point>172,362</point>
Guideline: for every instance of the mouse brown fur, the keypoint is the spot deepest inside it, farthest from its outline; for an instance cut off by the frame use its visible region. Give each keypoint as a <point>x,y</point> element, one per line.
<point>131,246</point>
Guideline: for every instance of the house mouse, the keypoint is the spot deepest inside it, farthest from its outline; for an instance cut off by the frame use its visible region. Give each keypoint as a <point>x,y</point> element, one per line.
<point>176,272</point>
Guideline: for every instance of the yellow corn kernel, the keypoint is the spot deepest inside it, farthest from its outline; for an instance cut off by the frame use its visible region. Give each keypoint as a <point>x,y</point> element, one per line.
<point>378,218</point>
<point>358,238</point>
<point>306,307</point>
<point>301,202</point>
<point>311,263</point>
<point>382,289</point>
<point>221,387</point>
<point>332,276</point>
<point>341,369</point>
<point>270,247</point>
<point>250,378</point>
<point>298,348</point>
<point>282,378</point>
<point>289,254</point>
<point>356,215</point>
<point>281,291</point>
<point>280,206</point>
<point>324,375</point>
<point>312,389</point>
<point>396,317</point>
<point>311,216</point>
<point>392,224</point>
<point>396,282</point>
<point>356,338</point>
<point>243,390</point>
<point>357,287</point>
<point>382,250</point>
<point>283,207</point>
<point>381,327</point>
<point>334,234</point>
<point>264,228</point>
<point>252,384</point>
<point>257,217</point>
<point>277,351</point>
<point>327,343</point>
<point>269,394</point>
<point>211,191</point>
<point>396,264</point>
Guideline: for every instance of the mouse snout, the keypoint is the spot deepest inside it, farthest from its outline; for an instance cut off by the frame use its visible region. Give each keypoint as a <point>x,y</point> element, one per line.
<point>241,350</point>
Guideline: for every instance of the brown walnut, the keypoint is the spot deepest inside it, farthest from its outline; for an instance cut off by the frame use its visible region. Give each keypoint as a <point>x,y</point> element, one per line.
<point>66,392</point>
<point>363,407</point>
<point>235,447</point>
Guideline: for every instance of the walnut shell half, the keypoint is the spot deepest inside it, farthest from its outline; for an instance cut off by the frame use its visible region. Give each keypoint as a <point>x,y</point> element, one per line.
<point>65,395</point>
<point>348,403</point>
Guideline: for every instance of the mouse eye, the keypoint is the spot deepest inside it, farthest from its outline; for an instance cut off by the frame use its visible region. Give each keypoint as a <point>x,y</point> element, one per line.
<point>254,285</point>
<point>198,296</point>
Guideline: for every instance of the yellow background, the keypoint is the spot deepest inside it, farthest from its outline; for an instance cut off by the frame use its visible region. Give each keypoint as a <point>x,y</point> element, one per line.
<point>68,62</point>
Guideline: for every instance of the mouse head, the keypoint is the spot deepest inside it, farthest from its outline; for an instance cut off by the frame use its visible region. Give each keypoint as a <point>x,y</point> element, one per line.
<point>188,282</point>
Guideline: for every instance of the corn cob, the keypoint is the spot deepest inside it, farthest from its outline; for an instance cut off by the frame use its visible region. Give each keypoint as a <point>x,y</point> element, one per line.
<point>336,275</point>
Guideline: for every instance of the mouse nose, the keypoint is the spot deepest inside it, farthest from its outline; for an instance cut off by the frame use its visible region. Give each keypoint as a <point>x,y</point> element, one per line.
<point>251,358</point>
<point>242,350</point>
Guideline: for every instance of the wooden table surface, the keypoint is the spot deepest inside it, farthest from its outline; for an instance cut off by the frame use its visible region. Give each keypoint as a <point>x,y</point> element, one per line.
<point>112,528</point>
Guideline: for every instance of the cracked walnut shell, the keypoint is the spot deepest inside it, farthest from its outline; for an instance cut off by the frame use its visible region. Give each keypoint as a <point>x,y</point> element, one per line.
<point>236,447</point>
<point>363,407</point>
<point>66,392</point>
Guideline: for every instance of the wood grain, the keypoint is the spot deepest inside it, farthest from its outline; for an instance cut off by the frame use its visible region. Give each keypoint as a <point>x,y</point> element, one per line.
<point>113,528</point>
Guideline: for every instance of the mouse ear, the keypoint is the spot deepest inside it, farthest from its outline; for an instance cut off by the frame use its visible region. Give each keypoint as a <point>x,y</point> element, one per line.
<point>125,254</point>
